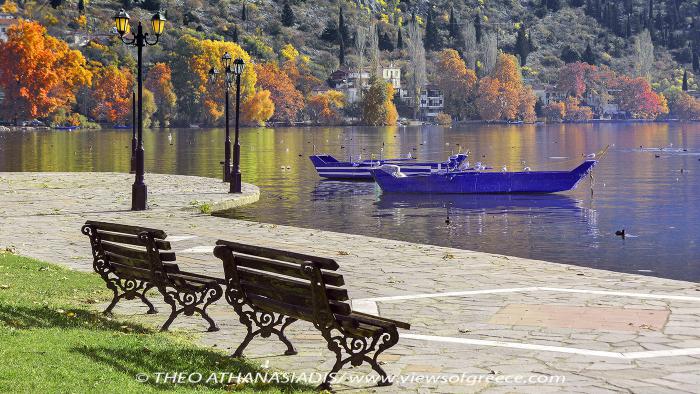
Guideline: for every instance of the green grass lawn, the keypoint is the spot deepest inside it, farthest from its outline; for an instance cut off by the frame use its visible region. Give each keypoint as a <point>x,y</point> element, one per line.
<point>53,340</point>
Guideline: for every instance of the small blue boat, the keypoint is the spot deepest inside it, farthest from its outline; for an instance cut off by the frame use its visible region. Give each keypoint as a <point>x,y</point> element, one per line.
<point>393,179</point>
<point>329,167</point>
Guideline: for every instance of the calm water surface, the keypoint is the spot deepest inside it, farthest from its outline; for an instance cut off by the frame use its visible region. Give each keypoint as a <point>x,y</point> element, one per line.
<point>650,197</point>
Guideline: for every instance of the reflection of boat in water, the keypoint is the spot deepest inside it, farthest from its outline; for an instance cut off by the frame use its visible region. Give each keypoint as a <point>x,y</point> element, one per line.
<point>479,201</point>
<point>329,167</point>
<point>65,128</point>
<point>392,180</point>
<point>329,189</point>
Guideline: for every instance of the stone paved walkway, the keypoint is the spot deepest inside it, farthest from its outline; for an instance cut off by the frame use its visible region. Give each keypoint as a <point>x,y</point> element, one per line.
<point>479,321</point>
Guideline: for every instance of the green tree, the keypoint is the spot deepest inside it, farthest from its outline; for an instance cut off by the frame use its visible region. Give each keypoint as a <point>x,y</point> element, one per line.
<point>244,14</point>
<point>588,55</point>
<point>399,40</point>
<point>477,27</point>
<point>432,36</point>
<point>454,25</point>
<point>685,81</point>
<point>287,15</point>
<point>342,28</point>
<point>374,112</point>
<point>522,47</point>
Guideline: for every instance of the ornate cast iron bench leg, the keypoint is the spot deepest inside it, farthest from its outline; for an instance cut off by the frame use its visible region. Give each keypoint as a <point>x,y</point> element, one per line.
<point>191,301</point>
<point>358,349</point>
<point>130,289</point>
<point>262,323</point>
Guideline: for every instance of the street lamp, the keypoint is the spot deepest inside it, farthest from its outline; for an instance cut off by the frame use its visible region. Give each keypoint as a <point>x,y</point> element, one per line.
<point>139,40</point>
<point>226,61</point>
<point>235,184</point>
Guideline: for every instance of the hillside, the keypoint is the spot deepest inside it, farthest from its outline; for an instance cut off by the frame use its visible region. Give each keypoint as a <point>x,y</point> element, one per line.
<point>549,32</point>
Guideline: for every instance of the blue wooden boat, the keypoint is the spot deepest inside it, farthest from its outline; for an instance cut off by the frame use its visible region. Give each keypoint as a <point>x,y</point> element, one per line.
<point>392,179</point>
<point>329,167</point>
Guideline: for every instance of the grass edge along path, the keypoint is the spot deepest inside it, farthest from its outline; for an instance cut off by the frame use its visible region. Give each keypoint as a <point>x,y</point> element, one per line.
<point>52,339</point>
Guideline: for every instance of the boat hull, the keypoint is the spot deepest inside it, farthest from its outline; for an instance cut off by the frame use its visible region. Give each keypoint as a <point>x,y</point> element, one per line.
<point>330,168</point>
<point>472,182</point>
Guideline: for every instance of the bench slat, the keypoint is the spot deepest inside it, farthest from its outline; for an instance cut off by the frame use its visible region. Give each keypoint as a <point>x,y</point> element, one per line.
<point>283,268</point>
<point>123,228</point>
<point>287,284</point>
<point>130,239</point>
<point>127,261</point>
<point>290,257</point>
<point>134,253</point>
<point>291,298</point>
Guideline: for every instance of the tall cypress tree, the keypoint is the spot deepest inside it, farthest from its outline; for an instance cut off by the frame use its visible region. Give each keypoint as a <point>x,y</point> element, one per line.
<point>287,15</point>
<point>477,27</point>
<point>454,25</point>
<point>81,6</point>
<point>521,45</point>
<point>588,55</point>
<point>244,15</point>
<point>342,28</point>
<point>432,37</point>
<point>399,40</point>
<point>685,80</point>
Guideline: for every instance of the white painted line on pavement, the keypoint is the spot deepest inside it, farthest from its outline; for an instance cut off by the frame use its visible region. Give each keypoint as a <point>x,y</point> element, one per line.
<point>558,349</point>
<point>531,289</point>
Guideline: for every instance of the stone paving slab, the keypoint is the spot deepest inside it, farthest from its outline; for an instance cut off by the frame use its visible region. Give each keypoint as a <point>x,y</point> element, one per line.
<point>446,294</point>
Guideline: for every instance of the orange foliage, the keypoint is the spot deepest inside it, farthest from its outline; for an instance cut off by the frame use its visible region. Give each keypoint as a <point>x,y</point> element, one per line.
<point>301,75</point>
<point>502,95</point>
<point>288,100</point>
<point>159,81</point>
<point>392,115</point>
<point>555,111</point>
<point>637,98</point>
<point>39,73</point>
<point>686,107</point>
<point>257,108</point>
<point>323,107</point>
<point>575,113</point>
<point>207,53</point>
<point>455,81</point>
<point>111,94</point>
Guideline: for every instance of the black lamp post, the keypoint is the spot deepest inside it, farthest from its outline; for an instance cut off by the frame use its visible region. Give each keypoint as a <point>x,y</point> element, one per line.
<point>235,184</point>
<point>226,60</point>
<point>139,40</point>
<point>133,133</point>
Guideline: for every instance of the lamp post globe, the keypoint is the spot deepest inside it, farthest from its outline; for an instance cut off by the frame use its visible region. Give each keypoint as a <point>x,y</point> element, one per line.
<point>158,23</point>
<point>226,60</point>
<point>121,22</point>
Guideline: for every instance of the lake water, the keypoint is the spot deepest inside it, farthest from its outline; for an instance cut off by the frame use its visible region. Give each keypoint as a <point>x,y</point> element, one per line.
<point>650,197</point>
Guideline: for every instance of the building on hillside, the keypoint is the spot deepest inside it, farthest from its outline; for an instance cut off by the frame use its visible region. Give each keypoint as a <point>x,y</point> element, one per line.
<point>350,82</point>
<point>6,20</point>
<point>432,102</point>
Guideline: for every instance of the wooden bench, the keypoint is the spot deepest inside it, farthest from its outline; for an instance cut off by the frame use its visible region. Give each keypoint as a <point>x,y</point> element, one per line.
<point>270,289</point>
<point>132,260</point>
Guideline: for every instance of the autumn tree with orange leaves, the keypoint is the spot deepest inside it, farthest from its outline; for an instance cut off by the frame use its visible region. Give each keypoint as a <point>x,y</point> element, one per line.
<point>159,81</point>
<point>639,100</point>
<point>324,108</point>
<point>288,100</point>
<point>202,100</point>
<point>502,95</point>
<point>39,74</point>
<point>111,94</point>
<point>456,82</point>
